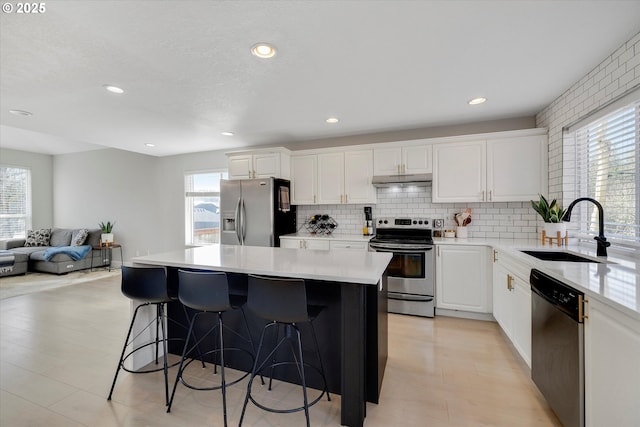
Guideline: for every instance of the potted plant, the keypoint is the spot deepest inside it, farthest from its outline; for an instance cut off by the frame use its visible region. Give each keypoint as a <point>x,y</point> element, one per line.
<point>107,235</point>
<point>551,214</point>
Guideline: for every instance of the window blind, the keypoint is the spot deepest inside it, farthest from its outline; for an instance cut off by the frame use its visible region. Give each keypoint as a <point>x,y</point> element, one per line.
<point>607,162</point>
<point>15,202</point>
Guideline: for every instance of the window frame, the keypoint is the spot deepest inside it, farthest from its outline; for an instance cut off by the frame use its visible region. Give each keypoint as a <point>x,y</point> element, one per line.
<point>575,181</point>
<point>28,203</point>
<point>190,195</point>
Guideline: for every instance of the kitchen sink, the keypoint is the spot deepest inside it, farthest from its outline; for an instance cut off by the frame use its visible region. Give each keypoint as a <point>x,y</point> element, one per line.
<point>558,256</point>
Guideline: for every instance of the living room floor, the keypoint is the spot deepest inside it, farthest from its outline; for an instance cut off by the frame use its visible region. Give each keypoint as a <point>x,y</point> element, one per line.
<point>59,349</point>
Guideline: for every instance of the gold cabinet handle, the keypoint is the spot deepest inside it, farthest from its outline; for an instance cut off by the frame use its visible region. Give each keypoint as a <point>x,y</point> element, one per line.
<point>490,195</point>
<point>581,313</point>
<point>300,244</point>
<point>495,255</point>
<point>509,282</point>
<point>398,167</point>
<point>314,198</point>
<point>341,198</point>
<point>346,199</point>
<point>404,169</point>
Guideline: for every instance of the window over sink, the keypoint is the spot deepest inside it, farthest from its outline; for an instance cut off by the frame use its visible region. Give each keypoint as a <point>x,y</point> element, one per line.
<point>607,163</point>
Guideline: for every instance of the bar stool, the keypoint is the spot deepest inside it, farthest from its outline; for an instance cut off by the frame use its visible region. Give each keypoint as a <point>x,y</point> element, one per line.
<point>149,287</point>
<point>208,293</point>
<point>284,303</point>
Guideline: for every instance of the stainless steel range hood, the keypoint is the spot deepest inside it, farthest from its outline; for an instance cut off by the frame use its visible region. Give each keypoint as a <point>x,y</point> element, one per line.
<point>401,180</point>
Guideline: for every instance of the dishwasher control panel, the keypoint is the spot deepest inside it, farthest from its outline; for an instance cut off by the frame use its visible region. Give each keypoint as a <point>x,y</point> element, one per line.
<point>563,296</point>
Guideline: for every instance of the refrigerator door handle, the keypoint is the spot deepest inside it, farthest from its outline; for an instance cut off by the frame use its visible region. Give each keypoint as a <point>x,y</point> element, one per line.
<point>243,219</point>
<point>238,220</point>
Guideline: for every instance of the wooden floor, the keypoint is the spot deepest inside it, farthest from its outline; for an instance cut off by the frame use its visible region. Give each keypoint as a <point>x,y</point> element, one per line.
<point>59,349</point>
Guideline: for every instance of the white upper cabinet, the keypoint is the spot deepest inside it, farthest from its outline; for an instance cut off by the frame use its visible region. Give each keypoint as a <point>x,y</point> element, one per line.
<point>358,171</point>
<point>459,172</point>
<point>304,174</point>
<point>507,168</point>
<point>516,168</point>
<point>333,177</point>
<point>406,160</point>
<point>259,164</point>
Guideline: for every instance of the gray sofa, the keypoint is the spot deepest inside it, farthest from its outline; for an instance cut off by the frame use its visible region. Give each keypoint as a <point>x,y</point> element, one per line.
<point>32,258</point>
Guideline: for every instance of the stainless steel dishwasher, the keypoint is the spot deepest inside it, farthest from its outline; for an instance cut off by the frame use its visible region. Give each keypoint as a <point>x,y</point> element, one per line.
<point>557,346</point>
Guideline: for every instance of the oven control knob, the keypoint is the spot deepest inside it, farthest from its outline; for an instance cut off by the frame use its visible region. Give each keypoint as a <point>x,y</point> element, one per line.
<point>386,222</point>
<point>420,222</point>
<point>379,221</point>
<point>415,222</point>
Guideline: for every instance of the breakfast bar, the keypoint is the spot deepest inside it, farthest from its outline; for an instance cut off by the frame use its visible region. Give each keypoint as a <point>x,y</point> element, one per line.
<point>351,284</point>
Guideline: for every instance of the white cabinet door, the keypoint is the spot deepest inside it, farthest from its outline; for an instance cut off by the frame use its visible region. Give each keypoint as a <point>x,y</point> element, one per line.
<point>240,166</point>
<point>461,278</point>
<point>387,161</point>
<point>290,243</point>
<point>521,317</point>
<point>331,178</point>
<point>502,307</point>
<point>266,165</point>
<point>303,179</point>
<point>358,170</point>
<point>459,172</point>
<point>316,244</point>
<point>417,159</point>
<point>516,168</point>
<point>612,367</point>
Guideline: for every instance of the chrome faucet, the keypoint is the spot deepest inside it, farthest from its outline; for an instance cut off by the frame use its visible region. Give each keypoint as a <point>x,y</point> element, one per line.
<point>600,239</point>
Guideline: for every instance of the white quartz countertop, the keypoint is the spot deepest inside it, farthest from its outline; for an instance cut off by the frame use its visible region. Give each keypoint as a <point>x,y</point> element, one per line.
<point>615,281</point>
<point>336,266</point>
<point>334,237</point>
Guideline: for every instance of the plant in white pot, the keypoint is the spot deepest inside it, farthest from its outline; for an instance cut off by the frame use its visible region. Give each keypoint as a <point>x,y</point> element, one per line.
<point>107,234</point>
<point>551,214</point>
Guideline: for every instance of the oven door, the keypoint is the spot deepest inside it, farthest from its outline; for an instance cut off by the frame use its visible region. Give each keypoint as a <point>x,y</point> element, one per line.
<point>410,273</point>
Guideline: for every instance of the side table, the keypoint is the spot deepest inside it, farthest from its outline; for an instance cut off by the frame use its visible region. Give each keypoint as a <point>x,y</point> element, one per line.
<point>106,254</point>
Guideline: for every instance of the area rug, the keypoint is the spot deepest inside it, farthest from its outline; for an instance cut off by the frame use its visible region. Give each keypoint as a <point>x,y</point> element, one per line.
<point>35,282</point>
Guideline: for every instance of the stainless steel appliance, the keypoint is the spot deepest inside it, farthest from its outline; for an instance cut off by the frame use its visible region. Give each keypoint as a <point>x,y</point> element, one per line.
<point>557,346</point>
<point>411,278</point>
<point>255,212</point>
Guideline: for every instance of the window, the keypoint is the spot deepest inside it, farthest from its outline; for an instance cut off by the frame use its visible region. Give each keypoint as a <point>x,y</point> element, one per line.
<point>15,202</point>
<point>607,166</point>
<point>202,207</point>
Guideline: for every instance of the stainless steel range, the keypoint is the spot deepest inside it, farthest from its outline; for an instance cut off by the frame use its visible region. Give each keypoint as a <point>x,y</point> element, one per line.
<point>411,278</point>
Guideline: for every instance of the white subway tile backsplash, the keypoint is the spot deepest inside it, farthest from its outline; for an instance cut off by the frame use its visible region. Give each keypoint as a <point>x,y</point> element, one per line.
<point>488,219</point>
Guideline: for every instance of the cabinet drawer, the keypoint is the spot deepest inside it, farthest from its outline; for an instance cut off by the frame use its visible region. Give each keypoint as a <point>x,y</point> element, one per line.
<point>356,246</point>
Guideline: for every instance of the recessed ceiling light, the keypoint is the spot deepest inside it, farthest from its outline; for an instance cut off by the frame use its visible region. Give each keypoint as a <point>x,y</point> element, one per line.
<point>113,89</point>
<point>21,113</point>
<point>332,120</point>
<point>263,50</point>
<point>150,144</point>
<point>226,133</point>
<point>476,101</point>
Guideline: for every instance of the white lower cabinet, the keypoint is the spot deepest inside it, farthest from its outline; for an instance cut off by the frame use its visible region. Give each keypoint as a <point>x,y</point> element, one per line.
<point>512,302</point>
<point>462,278</point>
<point>350,245</point>
<point>612,367</point>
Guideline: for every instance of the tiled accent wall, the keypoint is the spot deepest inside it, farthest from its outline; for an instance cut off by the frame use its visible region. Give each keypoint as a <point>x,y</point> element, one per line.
<point>516,220</point>
<point>615,75</point>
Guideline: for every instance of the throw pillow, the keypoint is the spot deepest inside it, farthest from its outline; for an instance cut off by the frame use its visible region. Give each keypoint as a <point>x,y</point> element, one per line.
<point>79,236</point>
<point>38,237</point>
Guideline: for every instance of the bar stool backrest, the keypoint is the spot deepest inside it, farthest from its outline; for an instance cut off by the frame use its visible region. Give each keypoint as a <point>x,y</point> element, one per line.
<point>148,284</point>
<point>204,290</point>
<point>278,299</point>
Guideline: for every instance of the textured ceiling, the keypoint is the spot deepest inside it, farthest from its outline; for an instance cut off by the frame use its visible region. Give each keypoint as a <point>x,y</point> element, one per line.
<point>377,65</point>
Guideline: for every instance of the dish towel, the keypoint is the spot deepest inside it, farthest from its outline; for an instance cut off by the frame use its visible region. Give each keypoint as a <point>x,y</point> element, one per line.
<point>283,199</point>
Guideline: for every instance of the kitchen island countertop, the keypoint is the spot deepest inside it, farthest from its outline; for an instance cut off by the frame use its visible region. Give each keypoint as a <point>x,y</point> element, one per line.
<point>341,266</point>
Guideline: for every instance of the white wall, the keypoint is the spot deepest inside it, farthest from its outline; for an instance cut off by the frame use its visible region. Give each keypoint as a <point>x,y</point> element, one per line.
<point>111,185</point>
<point>41,166</point>
<point>615,75</point>
<point>171,181</point>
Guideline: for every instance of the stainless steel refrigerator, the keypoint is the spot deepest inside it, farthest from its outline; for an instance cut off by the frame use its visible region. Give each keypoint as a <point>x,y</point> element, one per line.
<point>255,212</point>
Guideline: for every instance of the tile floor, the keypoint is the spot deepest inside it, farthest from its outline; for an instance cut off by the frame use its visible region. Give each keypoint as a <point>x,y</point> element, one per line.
<point>59,348</point>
